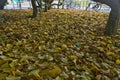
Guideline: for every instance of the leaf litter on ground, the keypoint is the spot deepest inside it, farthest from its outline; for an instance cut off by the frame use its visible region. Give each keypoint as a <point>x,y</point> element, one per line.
<point>59,45</point>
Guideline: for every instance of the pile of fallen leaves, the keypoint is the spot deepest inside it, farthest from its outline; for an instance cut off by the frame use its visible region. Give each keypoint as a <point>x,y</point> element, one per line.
<point>59,45</point>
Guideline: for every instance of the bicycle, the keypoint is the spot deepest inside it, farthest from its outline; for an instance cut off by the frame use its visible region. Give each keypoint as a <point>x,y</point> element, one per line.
<point>94,6</point>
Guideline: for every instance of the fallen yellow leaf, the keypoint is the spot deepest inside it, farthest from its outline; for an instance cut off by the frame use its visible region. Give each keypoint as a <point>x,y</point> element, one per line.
<point>73,57</point>
<point>110,53</point>
<point>118,61</point>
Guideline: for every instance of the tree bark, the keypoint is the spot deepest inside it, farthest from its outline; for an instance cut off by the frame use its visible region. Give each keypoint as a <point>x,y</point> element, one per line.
<point>58,4</point>
<point>114,16</point>
<point>63,3</point>
<point>46,7</point>
<point>113,22</point>
<point>39,2</point>
<point>48,4</point>
<point>2,4</point>
<point>35,11</point>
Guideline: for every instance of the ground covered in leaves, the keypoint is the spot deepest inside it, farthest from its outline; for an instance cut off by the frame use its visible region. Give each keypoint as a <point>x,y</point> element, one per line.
<point>57,45</point>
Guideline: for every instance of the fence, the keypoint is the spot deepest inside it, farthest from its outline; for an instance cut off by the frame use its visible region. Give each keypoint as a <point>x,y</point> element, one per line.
<point>68,4</point>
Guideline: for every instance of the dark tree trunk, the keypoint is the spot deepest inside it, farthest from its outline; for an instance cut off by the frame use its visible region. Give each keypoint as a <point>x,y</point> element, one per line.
<point>63,3</point>
<point>113,22</point>
<point>46,7</point>
<point>1,7</point>
<point>38,4</point>
<point>58,4</point>
<point>2,4</point>
<point>48,4</point>
<point>35,11</point>
<point>114,16</point>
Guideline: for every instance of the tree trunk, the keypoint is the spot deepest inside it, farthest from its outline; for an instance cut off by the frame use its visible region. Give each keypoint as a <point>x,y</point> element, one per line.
<point>38,4</point>
<point>47,4</point>
<point>46,7</point>
<point>114,16</point>
<point>35,11</point>
<point>63,4</point>
<point>1,7</point>
<point>2,4</point>
<point>113,22</point>
<point>58,4</point>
